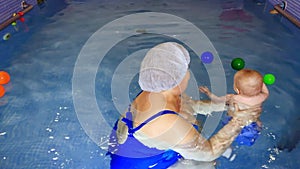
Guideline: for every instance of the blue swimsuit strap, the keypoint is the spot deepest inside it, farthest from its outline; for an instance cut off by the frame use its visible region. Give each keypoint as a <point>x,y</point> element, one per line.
<point>129,122</point>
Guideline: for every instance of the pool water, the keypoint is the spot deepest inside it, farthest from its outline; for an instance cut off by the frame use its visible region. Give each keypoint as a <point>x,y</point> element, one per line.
<point>40,126</point>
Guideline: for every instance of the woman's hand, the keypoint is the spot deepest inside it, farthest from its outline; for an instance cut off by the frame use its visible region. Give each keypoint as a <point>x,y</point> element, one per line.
<point>246,116</point>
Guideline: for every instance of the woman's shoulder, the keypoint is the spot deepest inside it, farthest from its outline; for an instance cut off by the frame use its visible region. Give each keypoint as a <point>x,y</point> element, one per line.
<point>171,129</point>
<point>165,117</point>
<point>165,123</point>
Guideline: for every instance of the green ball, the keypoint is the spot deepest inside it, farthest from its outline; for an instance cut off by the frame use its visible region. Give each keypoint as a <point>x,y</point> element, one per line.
<point>269,79</point>
<point>237,63</point>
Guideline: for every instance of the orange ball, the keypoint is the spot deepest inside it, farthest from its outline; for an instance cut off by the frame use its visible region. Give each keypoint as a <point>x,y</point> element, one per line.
<point>4,77</point>
<point>2,91</point>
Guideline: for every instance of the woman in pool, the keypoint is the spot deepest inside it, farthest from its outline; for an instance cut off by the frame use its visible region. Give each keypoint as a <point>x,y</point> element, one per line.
<point>154,133</point>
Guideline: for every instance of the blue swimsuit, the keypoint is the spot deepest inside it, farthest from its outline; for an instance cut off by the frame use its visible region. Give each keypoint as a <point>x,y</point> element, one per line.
<point>133,154</point>
<point>248,135</point>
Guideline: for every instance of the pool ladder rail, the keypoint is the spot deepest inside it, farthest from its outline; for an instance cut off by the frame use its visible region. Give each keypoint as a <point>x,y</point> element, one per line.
<point>14,18</point>
<point>281,10</point>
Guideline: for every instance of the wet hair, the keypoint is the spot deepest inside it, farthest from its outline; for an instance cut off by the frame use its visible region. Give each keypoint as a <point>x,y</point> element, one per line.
<point>248,82</point>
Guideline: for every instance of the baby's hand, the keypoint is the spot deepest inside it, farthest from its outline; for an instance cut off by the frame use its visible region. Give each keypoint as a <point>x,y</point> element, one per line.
<point>204,90</point>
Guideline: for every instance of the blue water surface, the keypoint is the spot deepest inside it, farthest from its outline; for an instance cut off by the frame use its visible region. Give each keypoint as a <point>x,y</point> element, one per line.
<point>39,126</point>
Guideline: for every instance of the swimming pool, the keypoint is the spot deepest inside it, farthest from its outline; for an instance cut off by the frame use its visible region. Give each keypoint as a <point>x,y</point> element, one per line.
<point>40,126</point>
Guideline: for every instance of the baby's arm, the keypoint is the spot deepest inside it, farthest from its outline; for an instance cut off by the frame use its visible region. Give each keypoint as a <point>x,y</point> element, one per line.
<point>213,97</point>
<point>264,92</point>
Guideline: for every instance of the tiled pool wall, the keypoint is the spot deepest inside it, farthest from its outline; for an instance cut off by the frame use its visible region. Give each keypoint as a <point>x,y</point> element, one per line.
<point>9,7</point>
<point>292,7</point>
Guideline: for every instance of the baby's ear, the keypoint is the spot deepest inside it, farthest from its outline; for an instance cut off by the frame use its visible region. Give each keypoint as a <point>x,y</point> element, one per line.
<point>237,90</point>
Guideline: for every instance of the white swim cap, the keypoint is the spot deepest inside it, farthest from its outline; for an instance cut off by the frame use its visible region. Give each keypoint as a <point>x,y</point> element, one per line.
<point>163,67</point>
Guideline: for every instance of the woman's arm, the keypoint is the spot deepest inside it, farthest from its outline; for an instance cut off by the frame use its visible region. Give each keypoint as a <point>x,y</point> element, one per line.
<point>173,132</point>
<point>204,107</point>
<point>198,148</point>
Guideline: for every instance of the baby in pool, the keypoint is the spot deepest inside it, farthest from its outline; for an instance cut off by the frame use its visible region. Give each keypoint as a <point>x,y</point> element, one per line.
<point>250,92</point>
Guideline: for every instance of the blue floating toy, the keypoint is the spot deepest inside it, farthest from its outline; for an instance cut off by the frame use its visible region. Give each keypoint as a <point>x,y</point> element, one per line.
<point>207,57</point>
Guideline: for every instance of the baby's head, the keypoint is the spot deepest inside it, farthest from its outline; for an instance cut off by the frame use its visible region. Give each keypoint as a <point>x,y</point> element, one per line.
<point>248,82</point>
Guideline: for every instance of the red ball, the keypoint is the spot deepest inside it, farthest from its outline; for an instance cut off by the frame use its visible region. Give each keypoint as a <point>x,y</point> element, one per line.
<point>22,19</point>
<point>2,91</point>
<point>4,77</point>
<point>21,13</point>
